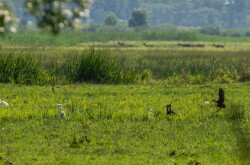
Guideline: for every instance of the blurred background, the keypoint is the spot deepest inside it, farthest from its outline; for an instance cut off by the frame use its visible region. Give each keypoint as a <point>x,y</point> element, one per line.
<point>214,17</point>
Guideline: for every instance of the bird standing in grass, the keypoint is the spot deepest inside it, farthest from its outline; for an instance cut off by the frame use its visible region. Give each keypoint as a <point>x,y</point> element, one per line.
<point>220,102</point>
<point>61,113</point>
<point>3,103</point>
<point>150,114</point>
<point>169,110</point>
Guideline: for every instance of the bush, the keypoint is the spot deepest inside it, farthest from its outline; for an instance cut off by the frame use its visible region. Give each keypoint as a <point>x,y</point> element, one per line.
<point>139,18</point>
<point>210,29</point>
<point>111,20</point>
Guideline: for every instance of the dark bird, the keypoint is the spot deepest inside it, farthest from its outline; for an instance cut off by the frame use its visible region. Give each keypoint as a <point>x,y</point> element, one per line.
<point>220,102</point>
<point>170,111</point>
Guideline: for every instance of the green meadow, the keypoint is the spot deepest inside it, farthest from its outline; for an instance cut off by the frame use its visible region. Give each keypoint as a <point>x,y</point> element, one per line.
<point>106,90</point>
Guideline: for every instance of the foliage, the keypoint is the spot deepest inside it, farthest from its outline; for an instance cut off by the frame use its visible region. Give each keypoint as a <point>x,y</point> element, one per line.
<point>6,18</point>
<point>139,19</point>
<point>93,66</point>
<point>132,64</point>
<point>210,29</point>
<point>98,66</point>
<point>21,69</point>
<point>54,15</point>
<point>111,19</point>
<point>244,74</point>
<point>227,14</point>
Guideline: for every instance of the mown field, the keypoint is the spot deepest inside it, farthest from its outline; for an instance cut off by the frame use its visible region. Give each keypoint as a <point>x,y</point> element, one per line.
<point>107,120</point>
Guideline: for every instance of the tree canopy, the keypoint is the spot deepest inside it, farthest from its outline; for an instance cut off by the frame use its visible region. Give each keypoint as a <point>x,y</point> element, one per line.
<point>55,15</point>
<point>139,19</point>
<point>58,14</point>
<point>111,19</point>
<point>6,17</point>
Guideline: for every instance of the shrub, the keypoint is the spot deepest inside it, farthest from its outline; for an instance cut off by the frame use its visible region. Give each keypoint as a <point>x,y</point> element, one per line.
<point>139,18</point>
<point>111,19</point>
<point>210,29</point>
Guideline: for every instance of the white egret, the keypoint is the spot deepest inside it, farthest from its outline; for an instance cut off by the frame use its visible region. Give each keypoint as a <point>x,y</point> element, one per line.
<point>150,114</point>
<point>3,103</point>
<point>61,113</point>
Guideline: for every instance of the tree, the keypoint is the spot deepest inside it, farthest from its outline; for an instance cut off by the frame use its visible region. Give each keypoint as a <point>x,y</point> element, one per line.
<point>6,18</point>
<point>139,19</point>
<point>111,19</point>
<point>55,15</point>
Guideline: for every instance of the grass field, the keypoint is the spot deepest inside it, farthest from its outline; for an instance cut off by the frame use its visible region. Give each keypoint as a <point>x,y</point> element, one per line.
<point>66,38</point>
<point>107,122</point>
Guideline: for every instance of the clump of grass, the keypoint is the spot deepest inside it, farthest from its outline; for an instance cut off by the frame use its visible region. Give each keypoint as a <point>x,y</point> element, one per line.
<point>244,74</point>
<point>75,143</point>
<point>96,66</point>
<point>21,69</point>
<point>99,67</point>
<point>236,111</point>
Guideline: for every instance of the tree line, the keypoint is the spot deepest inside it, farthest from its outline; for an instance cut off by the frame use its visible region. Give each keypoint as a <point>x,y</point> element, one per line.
<point>55,15</point>
<point>223,13</point>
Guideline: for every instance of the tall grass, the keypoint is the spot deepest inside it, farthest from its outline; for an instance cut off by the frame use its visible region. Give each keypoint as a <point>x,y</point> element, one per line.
<point>196,66</point>
<point>21,69</point>
<point>123,66</point>
<point>89,66</point>
<point>98,66</point>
